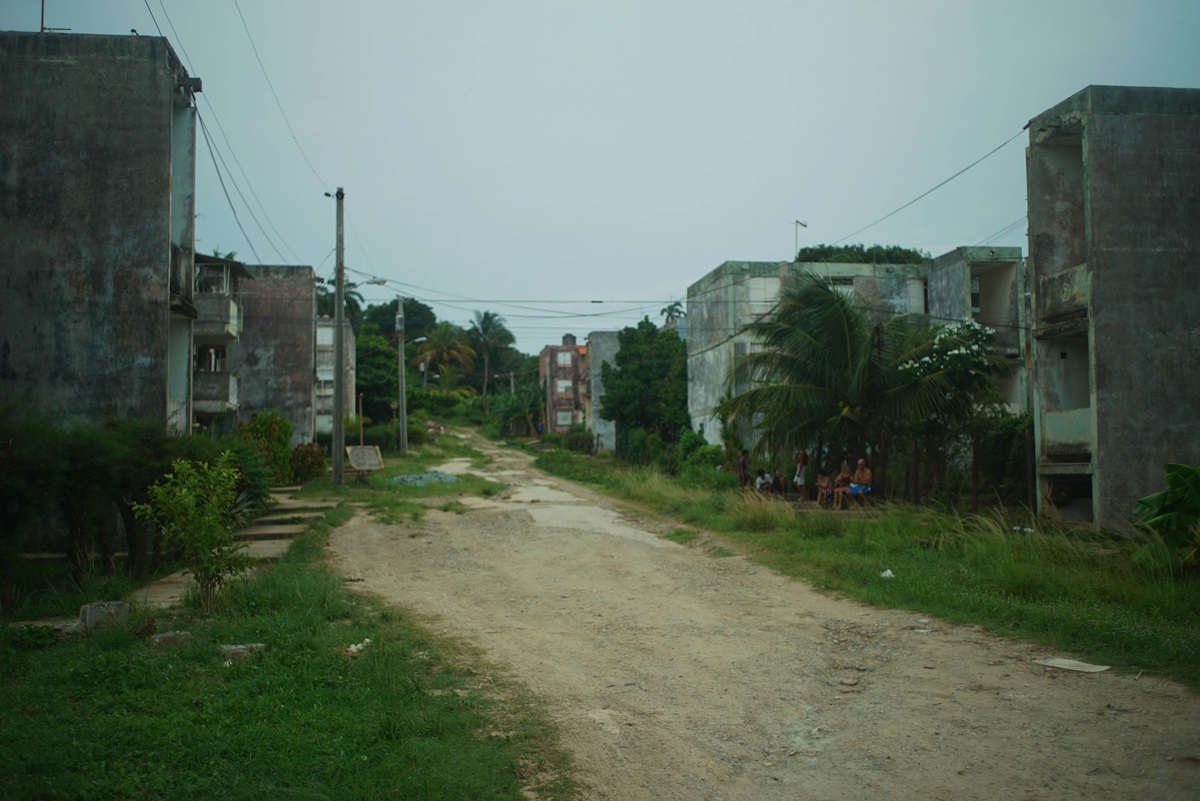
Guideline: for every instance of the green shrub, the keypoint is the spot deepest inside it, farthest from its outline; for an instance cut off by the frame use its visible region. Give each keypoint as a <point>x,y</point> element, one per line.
<point>271,433</point>
<point>308,462</point>
<point>195,508</point>
<point>579,440</point>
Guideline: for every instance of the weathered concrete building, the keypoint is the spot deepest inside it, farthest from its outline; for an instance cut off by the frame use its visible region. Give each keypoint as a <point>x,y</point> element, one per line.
<point>274,360</point>
<point>1114,243</point>
<point>736,293</point>
<point>987,285</point>
<point>602,346</point>
<point>563,375</point>
<point>326,364</point>
<point>97,207</point>
<point>218,325</point>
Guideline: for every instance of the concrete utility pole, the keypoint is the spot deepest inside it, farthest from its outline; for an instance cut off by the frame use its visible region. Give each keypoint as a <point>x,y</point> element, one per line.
<point>339,351</point>
<point>403,408</point>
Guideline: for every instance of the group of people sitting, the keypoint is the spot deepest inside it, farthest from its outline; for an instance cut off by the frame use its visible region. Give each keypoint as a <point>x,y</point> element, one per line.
<point>832,492</point>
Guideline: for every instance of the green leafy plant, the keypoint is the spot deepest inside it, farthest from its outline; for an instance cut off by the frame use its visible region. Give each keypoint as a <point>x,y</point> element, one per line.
<point>271,434</point>
<point>1174,513</point>
<point>196,508</point>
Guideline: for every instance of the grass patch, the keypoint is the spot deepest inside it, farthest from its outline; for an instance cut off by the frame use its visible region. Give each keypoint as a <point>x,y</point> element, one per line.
<point>108,716</point>
<point>1079,591</point>
<point>682,536</point>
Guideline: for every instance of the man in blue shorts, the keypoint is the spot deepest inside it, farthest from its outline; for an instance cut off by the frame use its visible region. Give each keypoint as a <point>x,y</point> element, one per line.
<point>860,486</point>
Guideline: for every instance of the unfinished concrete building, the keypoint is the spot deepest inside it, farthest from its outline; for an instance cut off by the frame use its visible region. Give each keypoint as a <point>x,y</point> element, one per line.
<point>736,293</point>
<point>1114,242</point>
<point>97,208</point>
<point>602,346</point>
<point>987,285</point>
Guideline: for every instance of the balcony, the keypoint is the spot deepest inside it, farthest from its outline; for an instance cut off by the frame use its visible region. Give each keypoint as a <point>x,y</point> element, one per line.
<point>1067,437</point>
<point>1063,295</point>
<point>218,319</point>
<point>214,392</point>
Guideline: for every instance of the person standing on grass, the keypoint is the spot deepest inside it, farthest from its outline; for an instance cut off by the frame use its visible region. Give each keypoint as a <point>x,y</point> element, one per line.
<point>743,468</point>
<point>801,469</point>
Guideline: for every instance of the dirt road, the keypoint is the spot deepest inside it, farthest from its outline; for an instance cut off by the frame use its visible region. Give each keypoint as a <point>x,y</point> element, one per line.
<point>677,675</point>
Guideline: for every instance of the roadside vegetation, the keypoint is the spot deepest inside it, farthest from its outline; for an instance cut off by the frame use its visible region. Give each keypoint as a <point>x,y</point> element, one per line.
<point>1115,600</point>
<point>348,699</point>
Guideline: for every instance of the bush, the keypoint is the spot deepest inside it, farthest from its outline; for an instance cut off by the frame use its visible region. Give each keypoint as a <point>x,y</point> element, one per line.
<point>195,508</point>
<point>272,435</point>
<point>308,462</point>
<point>579,440</point>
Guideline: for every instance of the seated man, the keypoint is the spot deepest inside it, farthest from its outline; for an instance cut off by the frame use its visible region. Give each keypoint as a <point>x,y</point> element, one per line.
<point>778,485</point>
<point>762,483</point>
<point>859,487</point>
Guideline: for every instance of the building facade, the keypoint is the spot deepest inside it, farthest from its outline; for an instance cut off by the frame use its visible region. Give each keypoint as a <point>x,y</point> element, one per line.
<point>987,285</point>
<point>323,390</point>
<point>736,293</point>
<point>97,209</point>
<point>274,362</point>
<point>602,346</point>
<point>563,375</point>
<point>1114,244</point>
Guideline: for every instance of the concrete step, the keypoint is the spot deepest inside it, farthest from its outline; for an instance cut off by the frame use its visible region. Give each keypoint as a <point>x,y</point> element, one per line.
<point>289,517</point>
<point>267,549</point>
<point>274,531</point>
<point>285,504</point>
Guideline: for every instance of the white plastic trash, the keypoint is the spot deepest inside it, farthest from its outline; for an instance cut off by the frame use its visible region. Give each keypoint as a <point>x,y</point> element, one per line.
<point>887,574</point>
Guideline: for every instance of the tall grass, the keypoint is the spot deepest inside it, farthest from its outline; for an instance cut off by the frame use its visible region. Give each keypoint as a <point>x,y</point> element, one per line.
<point>108,716</point>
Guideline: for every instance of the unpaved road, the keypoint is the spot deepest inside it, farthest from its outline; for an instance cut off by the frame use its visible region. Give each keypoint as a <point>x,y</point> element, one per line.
<point>677,675</point>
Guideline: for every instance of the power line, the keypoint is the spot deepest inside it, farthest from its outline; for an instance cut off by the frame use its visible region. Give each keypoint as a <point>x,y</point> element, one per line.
<point>208,142</point>
<point>931,191</point>
<point>276,96</point>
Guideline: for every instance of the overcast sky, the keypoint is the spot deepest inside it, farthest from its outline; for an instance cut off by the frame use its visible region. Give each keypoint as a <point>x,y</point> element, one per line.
<point>510,156</point>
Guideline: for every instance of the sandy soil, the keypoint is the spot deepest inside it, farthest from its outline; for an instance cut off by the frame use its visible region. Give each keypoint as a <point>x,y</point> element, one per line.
<point>677,675</point>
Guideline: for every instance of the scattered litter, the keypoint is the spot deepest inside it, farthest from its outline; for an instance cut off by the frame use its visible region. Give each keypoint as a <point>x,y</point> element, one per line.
<point>923,631</point>
<point>887,574</point>
<point>357,648</point>
<point>1071,664</point>
<point>1024,529</point>
<point>421,479</point>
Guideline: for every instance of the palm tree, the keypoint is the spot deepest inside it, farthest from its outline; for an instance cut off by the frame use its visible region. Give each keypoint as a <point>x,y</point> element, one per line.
<point>327,302</point>
<point>446,348</point>
<point>488,333</point>
<point>828,372</point>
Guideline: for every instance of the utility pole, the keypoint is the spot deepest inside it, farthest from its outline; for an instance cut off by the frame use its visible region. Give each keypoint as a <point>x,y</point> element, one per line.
<point>339,351</point>
<point>403,408</point>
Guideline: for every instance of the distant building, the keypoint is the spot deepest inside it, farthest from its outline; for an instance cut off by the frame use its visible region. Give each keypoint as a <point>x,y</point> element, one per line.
<point>987,285</point>
<point>218,325</point>
<point>97,208</point>
<point>275,358</point>
<point>736,293</point>
<point>1114,243</point>
<point>563,375</point>
<point>326,364</point>
<point>602,346</point>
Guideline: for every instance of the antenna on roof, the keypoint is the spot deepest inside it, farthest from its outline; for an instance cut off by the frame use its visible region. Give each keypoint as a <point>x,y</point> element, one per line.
<point>44,28</point>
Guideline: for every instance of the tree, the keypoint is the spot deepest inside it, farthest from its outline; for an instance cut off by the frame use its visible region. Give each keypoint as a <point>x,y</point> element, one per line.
<point>376,363</point>
<point>327,302</point>
<point>488,333</point>
<point>418,318</point>
<point>852,254</point>
<point>672,313</point>
<point>829,373</point>
<point>445,348</point>
<point>646,389</point>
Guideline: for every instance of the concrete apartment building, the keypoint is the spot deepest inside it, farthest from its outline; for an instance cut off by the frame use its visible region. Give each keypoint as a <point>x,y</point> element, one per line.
<point>97,207</point>
<point>987,285</point>
<point>325,367</point>
<point>602,346</point>
<point>563,376</point>
<point>1114,243</point>
<point>721,303</point>
<point>218,326</point>
<point>274,362</point>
